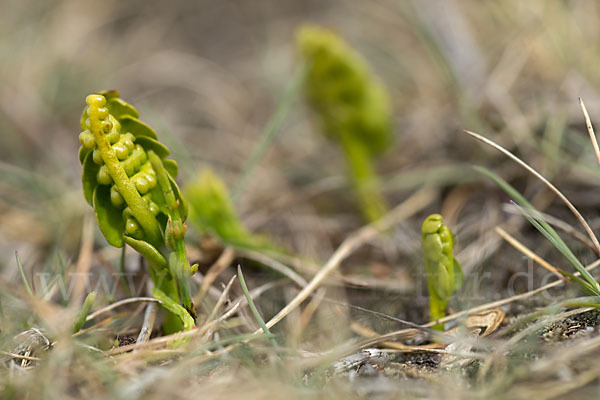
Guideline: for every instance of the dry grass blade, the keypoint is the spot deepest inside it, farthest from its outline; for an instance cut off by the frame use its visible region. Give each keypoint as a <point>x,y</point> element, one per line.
<point>369,333</point>
<point>590,129</point>
<point>526,251</point>
<point>163,340</point>
<point>149,318</point>
<point>19,356</point>
<point>275,265</point>
<point>221,300</point>
<point>560,224</point>
<point>84,262</point>
<point>215,270</point>
<point>545,181</point>
<point>310,310</point>
<point>119,304</point>
<point>410,206</point>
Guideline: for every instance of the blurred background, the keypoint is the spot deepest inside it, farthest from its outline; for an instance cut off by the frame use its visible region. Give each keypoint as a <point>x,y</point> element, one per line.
<point>209,75</point>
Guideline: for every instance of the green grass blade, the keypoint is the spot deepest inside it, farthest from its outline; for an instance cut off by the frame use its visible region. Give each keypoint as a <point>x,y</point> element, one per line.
<point>252,306</point>
<point>22,272</point>
<point>537,220</point>
<point>562,248</point>
<point>85,310</point>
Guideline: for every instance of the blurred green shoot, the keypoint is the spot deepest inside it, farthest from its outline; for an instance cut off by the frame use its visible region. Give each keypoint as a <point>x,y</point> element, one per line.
<point>444,273</point>
<point>352,106</point>
<point>85,310</point>
<point>212,211</point>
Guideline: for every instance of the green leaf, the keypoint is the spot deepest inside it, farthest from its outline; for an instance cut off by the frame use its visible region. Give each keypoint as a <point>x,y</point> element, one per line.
<point>119,108</point>
<point>147,250</point>
<point>110,220</point>
<point>159,199</point>
<point>83,151</point>
<point>175,308</point>
<point>171,167</point>
<point>458,275</point>
<point>136,127</point>
<point>150,144</point>
<point>89,178</point>
<point>110,94</point>
<point>183,207</point>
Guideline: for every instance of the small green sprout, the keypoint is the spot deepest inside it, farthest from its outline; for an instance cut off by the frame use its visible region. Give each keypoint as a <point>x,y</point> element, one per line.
<point>85,310</point>
<point>444,274</point>
<point>130,183</point>
<point>353,107</point>
<point>211,211</point>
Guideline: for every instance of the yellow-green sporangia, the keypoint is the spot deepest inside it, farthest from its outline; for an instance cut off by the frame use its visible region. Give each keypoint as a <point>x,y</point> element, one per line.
<point>352,106</point>
<point>130,183</point>
<point>444,274</point>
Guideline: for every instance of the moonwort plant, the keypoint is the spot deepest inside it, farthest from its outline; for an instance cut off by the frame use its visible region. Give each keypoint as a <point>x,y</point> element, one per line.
<point>444,273</point>
<point>353,107</point>
<point>212,211</point>
<point>130,183</point>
